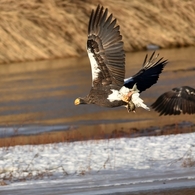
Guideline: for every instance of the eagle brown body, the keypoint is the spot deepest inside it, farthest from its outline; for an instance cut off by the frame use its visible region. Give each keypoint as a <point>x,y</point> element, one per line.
<point>107,59</point>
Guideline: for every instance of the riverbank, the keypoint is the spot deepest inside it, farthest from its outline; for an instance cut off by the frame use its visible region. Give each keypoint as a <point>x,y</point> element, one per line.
<point>38,30</point>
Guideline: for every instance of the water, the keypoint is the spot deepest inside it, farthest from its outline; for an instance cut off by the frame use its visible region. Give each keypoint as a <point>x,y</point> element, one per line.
<point>43,93</point>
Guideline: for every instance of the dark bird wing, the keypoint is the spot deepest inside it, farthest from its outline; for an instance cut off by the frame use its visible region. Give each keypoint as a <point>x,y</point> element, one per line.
<point>179,100</point>
<point>105,49</point>
<point>148,75</point>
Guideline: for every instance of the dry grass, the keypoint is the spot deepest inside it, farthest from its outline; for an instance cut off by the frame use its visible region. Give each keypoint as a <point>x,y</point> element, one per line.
<point>87,133</point>
<point>47,29</point>
<point>189,162</point>
<point>188,159</point>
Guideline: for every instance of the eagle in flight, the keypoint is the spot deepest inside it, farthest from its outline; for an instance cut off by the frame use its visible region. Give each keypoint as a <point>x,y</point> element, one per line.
<point>107,59</point>
<point>179,100</point>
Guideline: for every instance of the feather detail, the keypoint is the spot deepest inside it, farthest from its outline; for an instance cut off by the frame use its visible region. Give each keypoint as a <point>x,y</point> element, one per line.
<point>138,101</point>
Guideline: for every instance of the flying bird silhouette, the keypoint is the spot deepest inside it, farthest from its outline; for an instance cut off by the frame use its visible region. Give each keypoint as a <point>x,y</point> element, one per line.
<point>107,59</point>
<point>179,100</point>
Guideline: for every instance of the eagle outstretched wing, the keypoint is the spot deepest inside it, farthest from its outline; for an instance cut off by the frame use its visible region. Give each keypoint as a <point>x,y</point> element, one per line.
<point>105,49</point>
<point>148,75</point>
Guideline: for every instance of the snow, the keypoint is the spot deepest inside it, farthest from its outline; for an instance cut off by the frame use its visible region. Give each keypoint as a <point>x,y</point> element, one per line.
<point>119,161</point>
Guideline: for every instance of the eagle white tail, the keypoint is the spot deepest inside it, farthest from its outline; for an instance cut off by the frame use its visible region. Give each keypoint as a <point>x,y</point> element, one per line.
<point>138,101</point>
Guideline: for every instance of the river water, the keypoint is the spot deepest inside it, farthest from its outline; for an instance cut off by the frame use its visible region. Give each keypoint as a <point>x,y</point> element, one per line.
<point>39,96</point>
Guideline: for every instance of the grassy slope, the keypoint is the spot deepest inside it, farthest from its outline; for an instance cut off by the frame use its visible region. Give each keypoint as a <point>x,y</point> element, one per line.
<point>46,29</point>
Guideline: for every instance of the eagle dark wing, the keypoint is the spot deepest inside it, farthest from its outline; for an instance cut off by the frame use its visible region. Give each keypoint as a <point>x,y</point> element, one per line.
<point>148,75</point>
<point>105,49</point>
<point>179,100</point>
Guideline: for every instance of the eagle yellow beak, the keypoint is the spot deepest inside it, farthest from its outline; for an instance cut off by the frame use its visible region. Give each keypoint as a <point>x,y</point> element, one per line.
<point>77,101</point>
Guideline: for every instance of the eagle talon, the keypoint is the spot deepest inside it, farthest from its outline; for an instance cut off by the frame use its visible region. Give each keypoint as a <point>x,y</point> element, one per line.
<point>130,106</point>
<point>125,98</point>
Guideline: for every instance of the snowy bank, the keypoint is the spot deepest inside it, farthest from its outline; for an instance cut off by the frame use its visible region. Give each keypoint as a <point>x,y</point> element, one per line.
<point>139,158</point>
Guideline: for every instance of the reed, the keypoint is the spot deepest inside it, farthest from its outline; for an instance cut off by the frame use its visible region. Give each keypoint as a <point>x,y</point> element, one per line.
<point>88,133</point>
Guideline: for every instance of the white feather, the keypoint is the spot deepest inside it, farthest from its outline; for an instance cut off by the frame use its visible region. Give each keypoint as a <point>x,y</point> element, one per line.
<point>115,95</point>
<point>118,95</point>
<point>94,66</point>
<point>128,80</point>
<point>138,101</point>
<point>124,90</point>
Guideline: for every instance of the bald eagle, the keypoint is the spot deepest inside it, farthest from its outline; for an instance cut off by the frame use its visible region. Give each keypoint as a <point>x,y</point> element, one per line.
<point>179,100</point>
<point>107,59</point>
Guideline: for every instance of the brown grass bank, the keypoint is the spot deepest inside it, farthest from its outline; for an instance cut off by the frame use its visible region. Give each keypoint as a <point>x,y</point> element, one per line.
<point>47,29</point>
<point>89,133</point>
